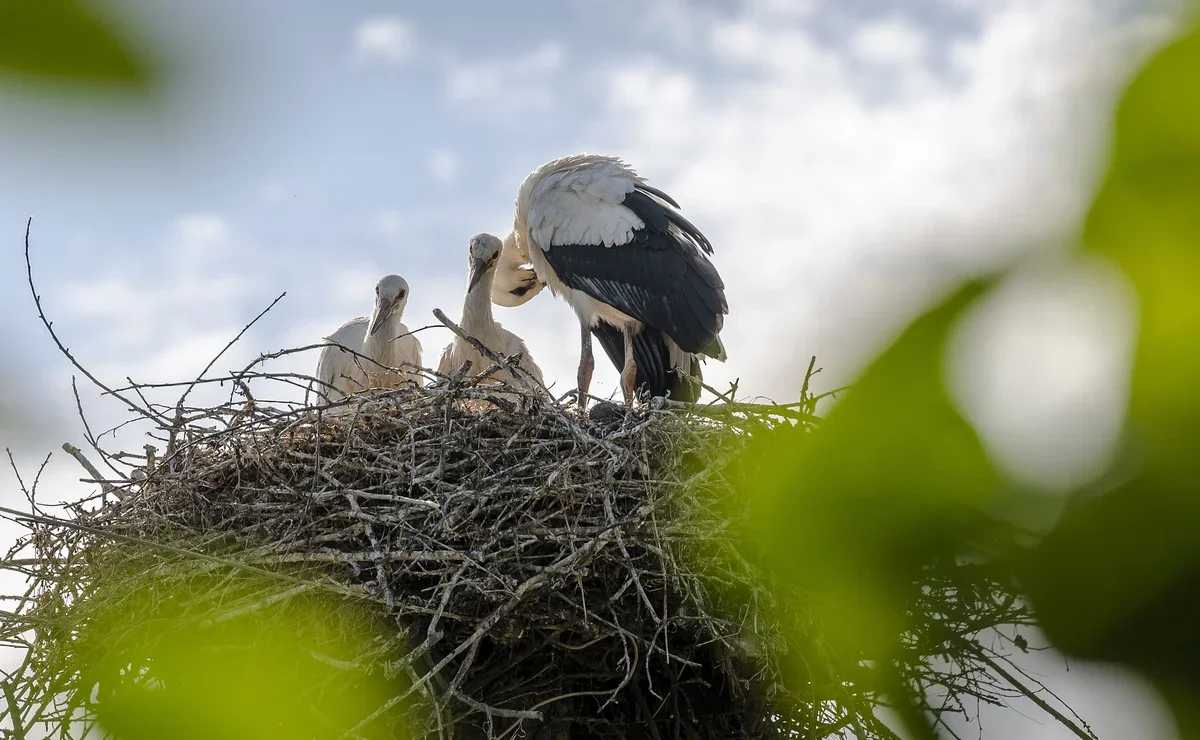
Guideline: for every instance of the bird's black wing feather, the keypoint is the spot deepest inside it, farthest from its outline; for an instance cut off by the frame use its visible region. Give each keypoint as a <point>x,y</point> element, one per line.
<point>653,359</point>
<point>660,278</point>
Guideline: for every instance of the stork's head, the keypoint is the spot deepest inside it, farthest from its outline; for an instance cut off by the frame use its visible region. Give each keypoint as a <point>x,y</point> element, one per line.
<point>485,251</point>
<point>391,295</point>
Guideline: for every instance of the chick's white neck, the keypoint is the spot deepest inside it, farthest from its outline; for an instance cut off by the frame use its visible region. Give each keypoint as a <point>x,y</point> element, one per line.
<point>381,346</point>
<point>477,307</point>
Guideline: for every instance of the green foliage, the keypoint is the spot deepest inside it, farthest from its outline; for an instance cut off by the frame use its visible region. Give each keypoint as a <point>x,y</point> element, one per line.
<point>223,656</point>
<point>63,40</point>
<point>1119,579</point>
<point>884,498</point>
<point>874,493</point>
<point>895,481</point>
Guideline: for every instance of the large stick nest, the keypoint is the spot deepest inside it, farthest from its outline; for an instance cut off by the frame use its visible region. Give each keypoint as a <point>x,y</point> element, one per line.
<point>523,571</point>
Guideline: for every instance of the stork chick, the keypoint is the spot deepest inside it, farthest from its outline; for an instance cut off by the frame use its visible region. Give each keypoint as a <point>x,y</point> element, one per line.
<point>339,372</point>
<point>382,340</point>
<point>388,341</point>
<point>477,320</point>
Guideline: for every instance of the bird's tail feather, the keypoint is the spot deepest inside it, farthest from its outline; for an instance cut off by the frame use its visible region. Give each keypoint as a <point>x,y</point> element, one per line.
<point>715,349</point>
<point>656,373</point>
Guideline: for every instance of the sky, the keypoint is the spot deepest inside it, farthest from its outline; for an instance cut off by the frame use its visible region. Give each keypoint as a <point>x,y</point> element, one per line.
<point>848,159</point>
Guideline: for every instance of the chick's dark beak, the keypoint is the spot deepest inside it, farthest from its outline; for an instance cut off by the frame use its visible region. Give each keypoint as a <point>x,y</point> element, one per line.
<point>479,268</point>
<point>382,309</point>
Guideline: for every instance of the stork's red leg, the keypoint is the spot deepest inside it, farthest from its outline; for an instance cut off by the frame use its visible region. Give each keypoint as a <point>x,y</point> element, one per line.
<point>587,363</point>
<point>629,372</point>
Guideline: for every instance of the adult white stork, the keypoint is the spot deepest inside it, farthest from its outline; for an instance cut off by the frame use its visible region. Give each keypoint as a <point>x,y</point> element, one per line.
<point>477,320</point>
<point>382,338</point>
<point>633,268</point>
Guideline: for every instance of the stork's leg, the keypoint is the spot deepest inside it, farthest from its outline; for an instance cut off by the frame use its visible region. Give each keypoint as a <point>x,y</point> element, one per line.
<point>587,363</point>
<point>629,372</point>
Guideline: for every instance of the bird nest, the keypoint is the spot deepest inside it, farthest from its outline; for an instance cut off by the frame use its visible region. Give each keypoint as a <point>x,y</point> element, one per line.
<point>459,564</point>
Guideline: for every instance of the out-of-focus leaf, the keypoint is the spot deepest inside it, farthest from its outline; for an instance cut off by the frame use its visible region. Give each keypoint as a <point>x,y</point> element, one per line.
<point>63,39</point>
<point>892,480</point>
<point>280,668</point>
<point>1119,578</point>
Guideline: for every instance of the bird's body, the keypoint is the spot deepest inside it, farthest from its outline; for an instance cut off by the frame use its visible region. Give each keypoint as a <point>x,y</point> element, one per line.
<point>629,264</point>
<point>390,354</point>
<point>393,347</point>
<point>339,372</point>
<point>477,321</point>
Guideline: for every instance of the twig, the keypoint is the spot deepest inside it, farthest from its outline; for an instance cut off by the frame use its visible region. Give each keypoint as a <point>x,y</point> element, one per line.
<point>54,521</point>
<point>14,711</point>
<point>225,349</point>
<point>74,452</point>
<point>37,300</point>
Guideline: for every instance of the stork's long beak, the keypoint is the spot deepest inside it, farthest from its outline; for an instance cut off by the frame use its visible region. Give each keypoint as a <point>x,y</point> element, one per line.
<point>479,268</point>
<point>382,310</point>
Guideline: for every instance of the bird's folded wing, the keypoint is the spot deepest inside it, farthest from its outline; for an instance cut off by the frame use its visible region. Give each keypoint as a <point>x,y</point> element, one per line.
<point>625,246</point>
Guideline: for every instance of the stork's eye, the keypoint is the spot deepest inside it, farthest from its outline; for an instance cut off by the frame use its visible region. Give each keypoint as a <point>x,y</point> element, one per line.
<point>402,293</point>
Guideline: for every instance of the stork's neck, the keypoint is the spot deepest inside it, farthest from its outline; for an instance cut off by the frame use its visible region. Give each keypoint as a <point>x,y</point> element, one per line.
<point>477,307</point>
<point>381,345</point>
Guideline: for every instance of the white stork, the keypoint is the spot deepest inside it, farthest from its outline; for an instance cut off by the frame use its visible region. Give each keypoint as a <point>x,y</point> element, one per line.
<point>339,373</point>
<point>389,342</point>
<point>383,339</point>
<point>477,319</point>
<point>633,268</point>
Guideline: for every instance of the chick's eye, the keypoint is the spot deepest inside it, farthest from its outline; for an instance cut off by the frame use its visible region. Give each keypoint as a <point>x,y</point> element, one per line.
<point>403,293</point>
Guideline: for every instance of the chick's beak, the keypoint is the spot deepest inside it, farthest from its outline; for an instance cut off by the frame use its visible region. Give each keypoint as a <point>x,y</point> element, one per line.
<point>382,309</point>
<point>478,269</point>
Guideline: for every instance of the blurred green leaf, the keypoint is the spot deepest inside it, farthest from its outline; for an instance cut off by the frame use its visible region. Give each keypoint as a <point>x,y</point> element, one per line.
<point>235,659</point>
<point>63,39</point>
<point>1119,578</point>
<point>894,479</point>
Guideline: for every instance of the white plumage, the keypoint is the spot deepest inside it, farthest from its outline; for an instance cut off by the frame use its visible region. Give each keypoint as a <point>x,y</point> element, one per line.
<point>388,342</point>
<point>629,264</point>
<point>339,372</point>
<point>392,354</point>
<point>477,320</point>
<point>515,282</point>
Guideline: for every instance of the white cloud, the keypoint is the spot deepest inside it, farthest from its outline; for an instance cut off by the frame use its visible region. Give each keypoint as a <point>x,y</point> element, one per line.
<point>201,238</point>
<point>202,230</point>
<point>443,165</point>
<point>386,38</point>
<point>889,41</point>
<point>390,224</point>
<point>274,192</point>
<point>202,278</point>
<point>833,215</point>
<point>782,8</point>
<point>508,84</point>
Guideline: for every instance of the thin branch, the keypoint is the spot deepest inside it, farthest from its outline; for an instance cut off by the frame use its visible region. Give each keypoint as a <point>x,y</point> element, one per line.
<point>37,300</point>
<point>231,342</point>
<point>74,452</point>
